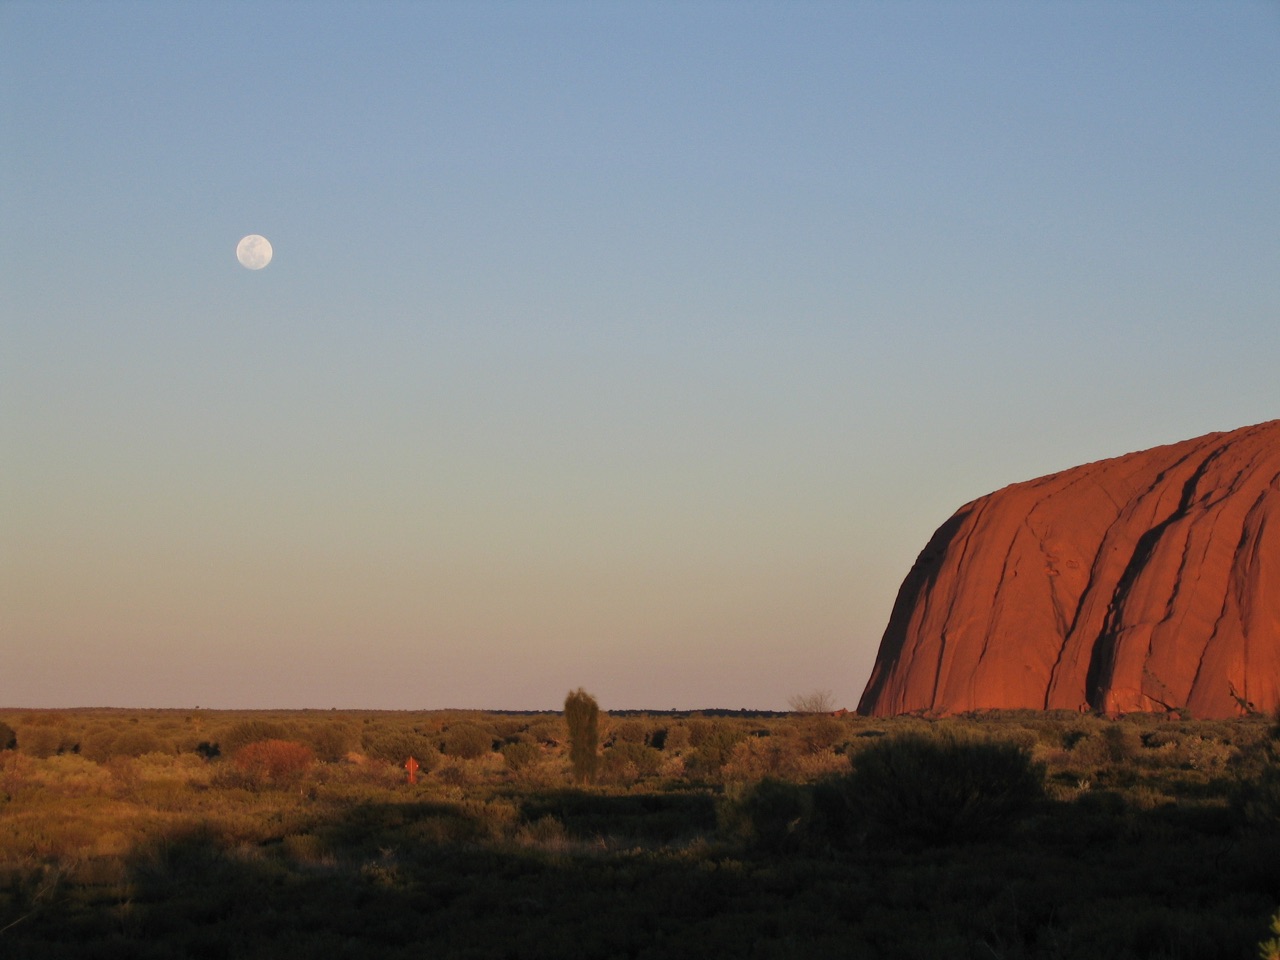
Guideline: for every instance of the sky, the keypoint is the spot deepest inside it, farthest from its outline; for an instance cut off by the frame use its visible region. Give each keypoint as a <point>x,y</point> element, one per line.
<point>632,346</point>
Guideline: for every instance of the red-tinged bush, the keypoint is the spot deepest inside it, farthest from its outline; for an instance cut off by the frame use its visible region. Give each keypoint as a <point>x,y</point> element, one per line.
<point>245,732</point>
<point>275,763</point>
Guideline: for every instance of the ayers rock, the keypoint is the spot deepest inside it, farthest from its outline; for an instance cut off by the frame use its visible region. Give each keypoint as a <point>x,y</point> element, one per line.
<point>1148,582</point>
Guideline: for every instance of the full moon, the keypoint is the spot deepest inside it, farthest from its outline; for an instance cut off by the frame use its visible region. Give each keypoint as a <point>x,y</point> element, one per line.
<point>254,252</point>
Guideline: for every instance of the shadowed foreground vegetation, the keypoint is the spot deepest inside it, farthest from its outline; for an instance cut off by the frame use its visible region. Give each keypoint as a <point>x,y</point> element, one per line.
<point>157,834</point>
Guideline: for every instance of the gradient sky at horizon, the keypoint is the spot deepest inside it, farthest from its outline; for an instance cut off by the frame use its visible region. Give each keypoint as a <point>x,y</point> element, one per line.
<point>638,347</point>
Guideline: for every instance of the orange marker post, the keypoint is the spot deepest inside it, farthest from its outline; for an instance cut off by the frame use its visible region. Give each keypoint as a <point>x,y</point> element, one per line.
<point>412,766</point>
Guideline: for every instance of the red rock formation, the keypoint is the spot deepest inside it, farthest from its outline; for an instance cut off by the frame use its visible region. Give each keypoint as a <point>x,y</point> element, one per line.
<point>1148,582</point>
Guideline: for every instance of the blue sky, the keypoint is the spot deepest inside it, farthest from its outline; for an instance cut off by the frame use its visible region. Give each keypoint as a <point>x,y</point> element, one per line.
<point>632,346</point>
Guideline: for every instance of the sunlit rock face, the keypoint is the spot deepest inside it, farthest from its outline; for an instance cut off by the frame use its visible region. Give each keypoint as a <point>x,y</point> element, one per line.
<point>1148,582</point>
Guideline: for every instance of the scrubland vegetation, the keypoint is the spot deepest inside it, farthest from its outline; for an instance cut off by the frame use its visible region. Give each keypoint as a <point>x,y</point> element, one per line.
<point>204,834</point>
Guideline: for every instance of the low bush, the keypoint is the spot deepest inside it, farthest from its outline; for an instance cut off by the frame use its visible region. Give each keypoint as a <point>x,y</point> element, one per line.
<point>820,733</point>
<point>250,731</point>
<point>16,772</point>
<point>331,740</point>
<point>755,758</point>
<point>548,731</point>
<point>521,755</point>
<point>396,746</point>
<point>677,739</point>
<point>46,740</point>
<point>466,741</point>
<point>624,762</point>
<point>103,743</point>
<point>630,731</point>
<point>697,730</point>
<point>1257,794</point>
<point>714,749</point>
<point>274,763</point>
<point>770,815</point>
<point>938,788</point>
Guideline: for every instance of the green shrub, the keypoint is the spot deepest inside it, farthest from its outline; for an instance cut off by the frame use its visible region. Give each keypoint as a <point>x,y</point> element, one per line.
<point>582,715</point>
<point>45,740</point>
<point>99,743</point>
<point>755,758</point>
<point>548,731</point>
<point>676,739</point>
<point>466,741</point>
<point>630,731</point>
<point>456,773</point>
<point>1258,795</point>
<point>714,749</point>
<point>770,815</point>
<point>1115,744</point>
<point>103,743</point>
<point>521,755</point>
<point>137,743</point>
<point>8,739</point>
<point>397,746</point>
<point>698,731</point>
<point>819,733</point>
<point>331,740</point>
<point>940,788</point>
<point>630,761</point>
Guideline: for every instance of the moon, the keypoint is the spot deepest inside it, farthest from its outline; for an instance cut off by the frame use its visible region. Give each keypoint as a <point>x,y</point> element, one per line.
<point>253,252</point>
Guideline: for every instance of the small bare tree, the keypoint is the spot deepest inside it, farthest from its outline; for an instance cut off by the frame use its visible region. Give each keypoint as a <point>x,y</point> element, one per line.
<point>819,701</point>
